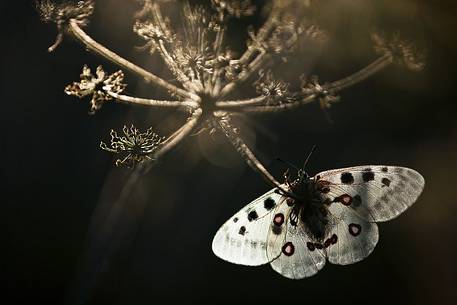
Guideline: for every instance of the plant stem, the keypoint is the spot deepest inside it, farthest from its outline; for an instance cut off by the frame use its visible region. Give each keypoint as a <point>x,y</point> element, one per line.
<point>183,106</point>
<point>180,134</point>
<point>246,153</point>
<point>255,65</point>
<point>94,46</point>
<point>360,75</point>
<point>229,105</point>
<point>334,87</point>
<point>258,61</point>
<point>280,107</point>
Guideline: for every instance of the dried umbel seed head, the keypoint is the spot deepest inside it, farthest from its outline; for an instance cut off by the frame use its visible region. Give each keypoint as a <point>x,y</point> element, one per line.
<point>402,51</point>
<point>135,146</point>
<point>99,86</point>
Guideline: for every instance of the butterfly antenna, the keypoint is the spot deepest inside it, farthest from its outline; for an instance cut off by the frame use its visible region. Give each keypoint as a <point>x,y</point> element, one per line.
<point>309,156</point>
<point>288,163</point>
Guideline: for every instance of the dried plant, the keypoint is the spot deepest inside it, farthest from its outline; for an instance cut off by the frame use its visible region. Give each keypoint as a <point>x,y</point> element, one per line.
<point>207,72</point>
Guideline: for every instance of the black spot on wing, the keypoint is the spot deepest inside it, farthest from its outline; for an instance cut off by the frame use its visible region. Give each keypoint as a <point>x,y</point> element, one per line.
<point>384,169</point>
<point>276,230</point>
<point>368,176</point>
<point>385,182</point>
<point>242,230</point>
<point>269,203</point>
<point>347,178</point>
<point>310,246</point>
<point>235,219</point>
<point>357,201</point>
<point>290,201</point>
<point>252,215</point>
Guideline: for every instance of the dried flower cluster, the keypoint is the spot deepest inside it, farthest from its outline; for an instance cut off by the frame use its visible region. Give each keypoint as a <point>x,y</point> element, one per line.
<point>135,146</point>
<point>101,86</point>
<point>207,72</point>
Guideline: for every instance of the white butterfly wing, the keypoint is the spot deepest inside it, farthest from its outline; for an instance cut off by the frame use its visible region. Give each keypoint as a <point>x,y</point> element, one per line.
<point>243,238</point>
<point>351,239</point>
<point>376,193</point>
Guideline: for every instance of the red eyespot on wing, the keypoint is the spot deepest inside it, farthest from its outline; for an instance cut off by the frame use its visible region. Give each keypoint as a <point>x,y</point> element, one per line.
<point>288,249</point>
<point>345,199</point>
<point>355,229</point>
<point>278,220</point>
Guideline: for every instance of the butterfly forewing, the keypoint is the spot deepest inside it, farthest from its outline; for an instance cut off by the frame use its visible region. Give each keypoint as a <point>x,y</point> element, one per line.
<point>243,238</point>
<point>376,193</point>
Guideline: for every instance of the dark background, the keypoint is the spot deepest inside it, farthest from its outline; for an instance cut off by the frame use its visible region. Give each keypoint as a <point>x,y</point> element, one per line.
<point>58,189</point>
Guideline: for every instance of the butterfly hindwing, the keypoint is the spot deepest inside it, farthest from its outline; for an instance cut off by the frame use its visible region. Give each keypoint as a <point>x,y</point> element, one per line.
<point>278,230</point>
<point>376,193</point>
<point>298,258</point>
<point>243,238</point>
<point>350,238</point>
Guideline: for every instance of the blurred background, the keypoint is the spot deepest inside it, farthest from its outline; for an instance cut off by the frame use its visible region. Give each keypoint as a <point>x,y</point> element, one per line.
<point>67,240</point>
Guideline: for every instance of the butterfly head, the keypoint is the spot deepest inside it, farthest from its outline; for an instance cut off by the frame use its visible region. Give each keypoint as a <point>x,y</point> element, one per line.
<point>298,185</point>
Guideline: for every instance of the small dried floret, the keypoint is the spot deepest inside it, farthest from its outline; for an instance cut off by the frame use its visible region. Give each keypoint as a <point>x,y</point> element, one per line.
<point>276,91</point>
<point>192,61</point>
<point>402,51</point>
<point>314,33</point>
<point>137,147</point>
<point>147,10</point>
<point>235,8</point>
<point>99,86</point>
<point>312,87</point>
<point>61,14</point>
<point>152,32</point>
<point>283,37</point>
<point>47,10</point>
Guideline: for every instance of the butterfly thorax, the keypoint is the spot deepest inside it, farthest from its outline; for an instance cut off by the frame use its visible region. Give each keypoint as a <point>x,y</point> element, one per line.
<point>308,209</point>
